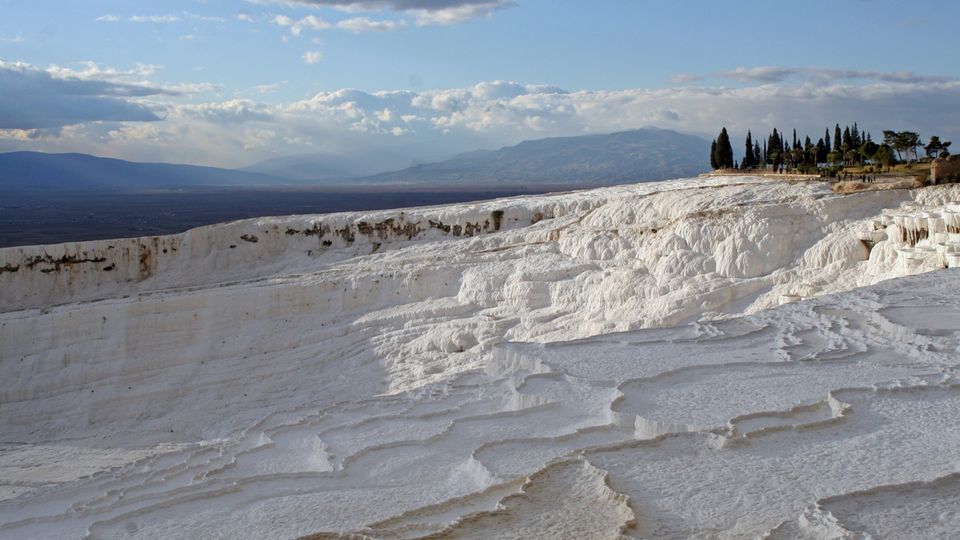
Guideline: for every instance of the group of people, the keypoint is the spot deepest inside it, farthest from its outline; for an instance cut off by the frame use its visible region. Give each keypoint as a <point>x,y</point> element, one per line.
<point>867,178</point>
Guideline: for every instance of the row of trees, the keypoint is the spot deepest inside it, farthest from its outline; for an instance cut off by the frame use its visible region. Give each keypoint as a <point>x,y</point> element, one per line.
<point>847,147</point>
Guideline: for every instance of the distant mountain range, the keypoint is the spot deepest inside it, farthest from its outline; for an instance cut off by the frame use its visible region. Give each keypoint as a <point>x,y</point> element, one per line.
<point>323,167</point>
<point>20,171</point>
<point>629,156</point>
<point>302,167</point>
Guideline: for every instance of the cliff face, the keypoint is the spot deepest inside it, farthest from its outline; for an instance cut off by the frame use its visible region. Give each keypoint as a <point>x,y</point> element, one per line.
<point>38,276</point>
<point>233,380</point>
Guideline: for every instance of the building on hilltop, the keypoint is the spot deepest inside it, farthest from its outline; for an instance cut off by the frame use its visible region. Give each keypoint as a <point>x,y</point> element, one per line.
<point>945,170</point>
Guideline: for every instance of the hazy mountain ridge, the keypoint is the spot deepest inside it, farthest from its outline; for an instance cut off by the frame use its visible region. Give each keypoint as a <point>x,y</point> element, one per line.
<point>626,156</point>
<point>22,171</point>
<point>304,167</point>
<point>616,158</point>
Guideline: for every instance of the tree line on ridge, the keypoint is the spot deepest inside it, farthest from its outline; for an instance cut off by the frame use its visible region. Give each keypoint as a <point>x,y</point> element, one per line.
<point>848,147</point>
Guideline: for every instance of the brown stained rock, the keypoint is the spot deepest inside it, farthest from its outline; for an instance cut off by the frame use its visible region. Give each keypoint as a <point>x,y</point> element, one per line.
<point>409,230</point>
<point>317,229</point>
<point>146,262</point>
<point>347,234</point>
<point>911,238</point>
<point>58,263</point>
<point>439,225</point>
<point>390,228</point>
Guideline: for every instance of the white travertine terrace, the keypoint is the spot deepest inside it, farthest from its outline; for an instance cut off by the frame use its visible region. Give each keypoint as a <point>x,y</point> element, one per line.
<point>630,361</point>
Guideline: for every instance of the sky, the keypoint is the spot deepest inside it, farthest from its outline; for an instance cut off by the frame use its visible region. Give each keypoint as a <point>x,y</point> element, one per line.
<point>396,82</point>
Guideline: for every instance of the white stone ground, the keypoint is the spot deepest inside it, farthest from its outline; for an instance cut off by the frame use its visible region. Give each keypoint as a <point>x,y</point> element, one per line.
<point>693,358</point>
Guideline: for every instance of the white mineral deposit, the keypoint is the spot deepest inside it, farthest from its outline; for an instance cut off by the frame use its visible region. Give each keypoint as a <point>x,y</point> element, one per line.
<point>729,357</point>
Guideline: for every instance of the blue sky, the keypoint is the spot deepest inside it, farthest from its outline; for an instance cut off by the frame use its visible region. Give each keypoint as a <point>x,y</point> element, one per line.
<point>231,82</point>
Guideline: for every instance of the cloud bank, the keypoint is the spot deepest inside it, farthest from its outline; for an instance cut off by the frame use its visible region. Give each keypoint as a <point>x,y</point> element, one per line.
<point>37,99</point>
<point>118,112</point>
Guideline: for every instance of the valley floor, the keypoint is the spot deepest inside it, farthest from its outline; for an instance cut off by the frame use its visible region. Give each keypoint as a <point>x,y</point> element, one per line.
<point>727,357</point>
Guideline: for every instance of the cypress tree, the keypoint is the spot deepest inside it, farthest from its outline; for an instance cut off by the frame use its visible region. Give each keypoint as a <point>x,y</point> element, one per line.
<point>775,146</point>
<point>747,162</point>
<point>724,150</point>
<point>713,155</point>
<point>757,157</point>
<point>826,138</point>
<point>836,138</point>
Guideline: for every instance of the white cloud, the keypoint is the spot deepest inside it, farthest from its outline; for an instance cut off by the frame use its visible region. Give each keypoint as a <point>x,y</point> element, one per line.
<point>312,57</point>
<point>245,17</point>
<point>138,76</point>
<point>159,19</point>
<point>456,14</point>
<point>92,70</point>
<point>226,112</point>
<point>153,18</point>
<point>363,24</point>
<point>190,89</point>
<point>297,26</point>
<point>424,12</point>
<point>355,24</point>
